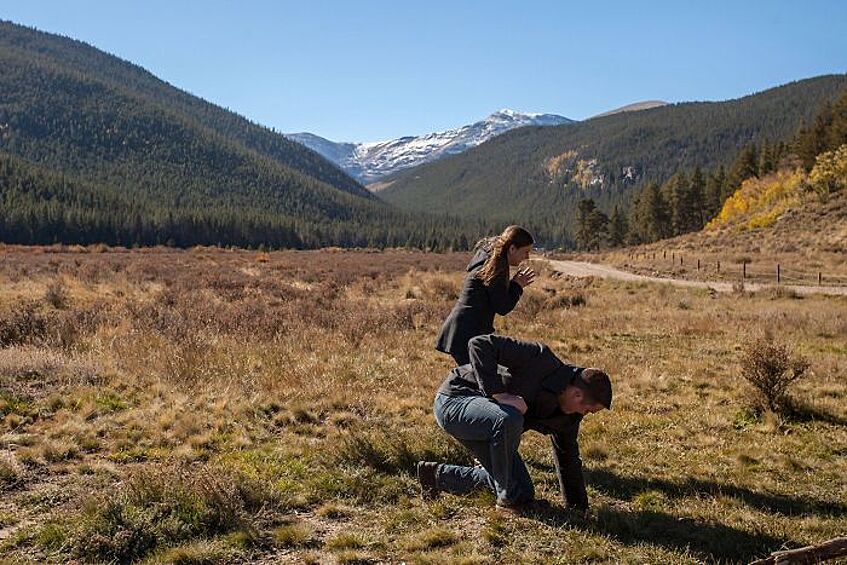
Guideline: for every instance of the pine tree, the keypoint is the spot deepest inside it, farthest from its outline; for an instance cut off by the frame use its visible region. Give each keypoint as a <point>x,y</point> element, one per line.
<point>584,235</point>
<point>599,223</point>
<point>636,234</point>
<point>697,190</point>
<point>838,126</point>
<point>618,228</point>
<point>653,216</point>
<point>812,141</point>
<point>714,194</point>
<point>746,166</point>
<point>766,160</point>
<point>677,193</point>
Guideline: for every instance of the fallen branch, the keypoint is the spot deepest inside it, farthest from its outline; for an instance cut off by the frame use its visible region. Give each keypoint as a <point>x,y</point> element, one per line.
<point>811,554</point>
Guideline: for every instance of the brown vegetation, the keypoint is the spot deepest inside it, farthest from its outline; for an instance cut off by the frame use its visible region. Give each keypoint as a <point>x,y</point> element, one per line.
<point>807,237</point>
<point>225,406</point>
<point>770,367</point>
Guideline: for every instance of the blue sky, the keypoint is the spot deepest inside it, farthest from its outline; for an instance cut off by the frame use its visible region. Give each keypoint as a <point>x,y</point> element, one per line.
<point>372,70</point>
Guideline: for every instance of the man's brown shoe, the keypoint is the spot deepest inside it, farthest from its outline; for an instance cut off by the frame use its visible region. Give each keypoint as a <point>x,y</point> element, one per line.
<point>426,478</point>
<point>520,508</point>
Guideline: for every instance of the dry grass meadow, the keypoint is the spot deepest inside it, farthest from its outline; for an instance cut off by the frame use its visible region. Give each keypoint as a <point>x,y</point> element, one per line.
<point>213,406</point>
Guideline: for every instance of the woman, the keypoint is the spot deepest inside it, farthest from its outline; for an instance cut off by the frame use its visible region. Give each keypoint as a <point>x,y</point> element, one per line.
<point>487,290</point>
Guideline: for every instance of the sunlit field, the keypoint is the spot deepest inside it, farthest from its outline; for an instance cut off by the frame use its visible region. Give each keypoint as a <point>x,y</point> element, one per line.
<point>213,406</point>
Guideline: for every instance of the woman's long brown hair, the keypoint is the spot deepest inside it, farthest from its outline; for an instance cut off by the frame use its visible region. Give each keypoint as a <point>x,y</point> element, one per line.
<point>498,261</point>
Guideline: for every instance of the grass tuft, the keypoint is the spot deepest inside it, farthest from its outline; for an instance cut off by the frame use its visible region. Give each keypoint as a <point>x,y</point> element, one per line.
<point>166,505</point>
<point>292,535</point>
<point>432,538</point>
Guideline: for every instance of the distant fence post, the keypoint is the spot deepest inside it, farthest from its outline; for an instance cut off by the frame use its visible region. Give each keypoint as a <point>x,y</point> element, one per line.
<point>698,264</point>
<point>820,278</point>
<point>680,259</point>
<point>777,274</point>
<point>744,270</point>
<point>664,253</point>
<point>719,266</point>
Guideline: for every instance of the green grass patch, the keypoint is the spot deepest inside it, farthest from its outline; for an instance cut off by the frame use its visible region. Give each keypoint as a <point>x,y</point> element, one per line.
<point>8,474</point>
<point>8,519</point>
<point>161,506</point>
<point>132,455</point>
<point>433,538</point>
<point>346,541</point>
<point>53,537</point>
<point>293,535</point>
<point>12,404</point>
<point>403,518</point>
<point>745,418</point>
<point>649,500</point>
<point>397,452</point>
<point>202,552</point>
<point>332,511</point>
<point>496,530</point>
<point>109,401</point>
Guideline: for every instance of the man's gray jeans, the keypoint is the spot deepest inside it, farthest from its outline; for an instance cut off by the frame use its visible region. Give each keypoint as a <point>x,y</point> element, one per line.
<point>492,432</point>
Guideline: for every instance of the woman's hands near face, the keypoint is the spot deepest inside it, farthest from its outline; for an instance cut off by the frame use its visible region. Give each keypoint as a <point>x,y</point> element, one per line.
<point>524,277</point>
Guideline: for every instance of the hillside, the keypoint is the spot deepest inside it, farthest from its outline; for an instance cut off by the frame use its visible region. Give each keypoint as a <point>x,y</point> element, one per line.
<point>166,166</point>
<point>792,218</point>
<point>35,61</point>
<point>634,107</point>
<point>541,173</point>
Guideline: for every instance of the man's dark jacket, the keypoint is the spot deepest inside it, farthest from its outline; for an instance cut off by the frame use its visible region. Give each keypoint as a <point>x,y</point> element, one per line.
<point>530,370</point>
<point>474,311</point>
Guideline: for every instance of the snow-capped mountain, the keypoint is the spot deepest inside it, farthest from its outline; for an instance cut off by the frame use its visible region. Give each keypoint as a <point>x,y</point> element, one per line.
<point>369,162</point>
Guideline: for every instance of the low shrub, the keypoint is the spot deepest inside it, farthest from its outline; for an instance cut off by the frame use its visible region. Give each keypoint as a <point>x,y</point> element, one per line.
<point>771,367</point>
<point>24,324</point>
<point>56,295</point>
<point>9,475</point>
<point>397,453</point>
<point>565,301</point>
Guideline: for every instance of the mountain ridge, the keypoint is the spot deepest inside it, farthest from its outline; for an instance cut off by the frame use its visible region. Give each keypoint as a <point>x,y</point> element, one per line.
<point>154,164</point>
<point>370,162</point>
<point>542,173</point>
<point>83,60</point>
<point>634,107</point>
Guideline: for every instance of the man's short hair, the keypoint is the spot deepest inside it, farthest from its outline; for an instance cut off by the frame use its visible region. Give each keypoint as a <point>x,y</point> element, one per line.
<point>596,386</point>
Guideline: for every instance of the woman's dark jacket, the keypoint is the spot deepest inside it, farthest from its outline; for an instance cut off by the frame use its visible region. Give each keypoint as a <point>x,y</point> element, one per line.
<point>474,311</point>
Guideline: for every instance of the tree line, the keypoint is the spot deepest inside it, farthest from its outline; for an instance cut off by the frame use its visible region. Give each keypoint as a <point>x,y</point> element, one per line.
<point>536,176</point>
<point>42,207</point>
<point>95,149</point>
<point>689,199</point>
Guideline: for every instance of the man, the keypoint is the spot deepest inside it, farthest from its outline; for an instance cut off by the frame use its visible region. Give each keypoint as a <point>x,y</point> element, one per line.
<point>509,387</point>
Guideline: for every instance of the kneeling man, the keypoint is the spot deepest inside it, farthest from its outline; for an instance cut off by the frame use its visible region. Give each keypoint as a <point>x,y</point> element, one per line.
<point>509,387</point>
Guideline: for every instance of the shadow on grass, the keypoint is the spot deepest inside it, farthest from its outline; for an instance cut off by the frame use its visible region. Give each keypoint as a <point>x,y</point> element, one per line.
<point>799,411</point>
<point>626,488</point>
<point>709,541</point>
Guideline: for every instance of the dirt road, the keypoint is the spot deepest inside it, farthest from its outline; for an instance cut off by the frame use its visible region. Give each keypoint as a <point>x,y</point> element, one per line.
<point>582,269</point>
